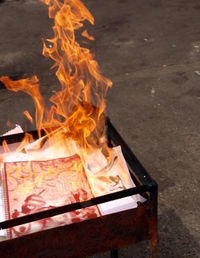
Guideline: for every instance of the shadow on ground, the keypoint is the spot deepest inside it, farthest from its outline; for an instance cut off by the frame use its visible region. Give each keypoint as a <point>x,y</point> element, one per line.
<point>175,240</point>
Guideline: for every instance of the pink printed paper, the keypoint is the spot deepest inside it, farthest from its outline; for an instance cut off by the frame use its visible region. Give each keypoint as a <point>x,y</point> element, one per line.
<point>33,186</point>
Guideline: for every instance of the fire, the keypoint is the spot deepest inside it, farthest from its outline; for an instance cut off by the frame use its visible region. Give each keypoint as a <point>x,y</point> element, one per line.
<point>77,109</point>
<point>71,162</point>
<point>29,117</point>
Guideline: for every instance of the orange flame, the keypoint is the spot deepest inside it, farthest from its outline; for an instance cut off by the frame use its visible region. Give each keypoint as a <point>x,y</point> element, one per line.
<point>79,106</point>
<point>86,35</point>
<point>28,138</point>
<point>28,116</point>
<point>5,146</point>
<point>31,87</point>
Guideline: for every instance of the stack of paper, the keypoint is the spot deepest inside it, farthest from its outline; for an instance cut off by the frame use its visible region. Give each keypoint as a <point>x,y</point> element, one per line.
<point>32,183</point>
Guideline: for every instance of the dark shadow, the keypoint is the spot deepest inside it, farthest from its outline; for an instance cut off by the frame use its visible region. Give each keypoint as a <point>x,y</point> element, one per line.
<point>175,240</point>
<point>2,87</point>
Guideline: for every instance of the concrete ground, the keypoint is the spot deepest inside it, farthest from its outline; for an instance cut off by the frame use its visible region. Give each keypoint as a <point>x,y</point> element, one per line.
<point>151,51</point>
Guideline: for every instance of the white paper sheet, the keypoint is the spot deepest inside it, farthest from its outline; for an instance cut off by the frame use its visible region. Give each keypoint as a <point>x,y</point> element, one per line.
<point>2,212</point>
<point>16,130</point>
<point>114,179</point>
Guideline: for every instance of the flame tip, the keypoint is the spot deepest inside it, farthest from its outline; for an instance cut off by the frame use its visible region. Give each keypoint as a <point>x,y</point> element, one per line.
<point>78,107</point>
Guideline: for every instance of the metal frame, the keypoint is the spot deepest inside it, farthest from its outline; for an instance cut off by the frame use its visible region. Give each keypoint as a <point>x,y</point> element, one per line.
<point>109,232</point>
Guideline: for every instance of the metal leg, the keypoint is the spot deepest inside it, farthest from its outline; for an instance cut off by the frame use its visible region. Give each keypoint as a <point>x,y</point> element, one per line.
<point>114,253</point>
<point>153,247</point>
<point>153,230</point>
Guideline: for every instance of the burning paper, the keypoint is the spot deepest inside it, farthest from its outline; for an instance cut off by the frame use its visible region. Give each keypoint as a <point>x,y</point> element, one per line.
<point>74,127</point>
<point>34,186</point>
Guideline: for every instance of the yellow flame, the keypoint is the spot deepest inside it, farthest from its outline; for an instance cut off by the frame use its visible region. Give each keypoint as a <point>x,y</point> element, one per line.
<point>28,116</point>
<point>5,146</point>
<point>87,35</point>
<point>27,139</point>
<point>79,106</point>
